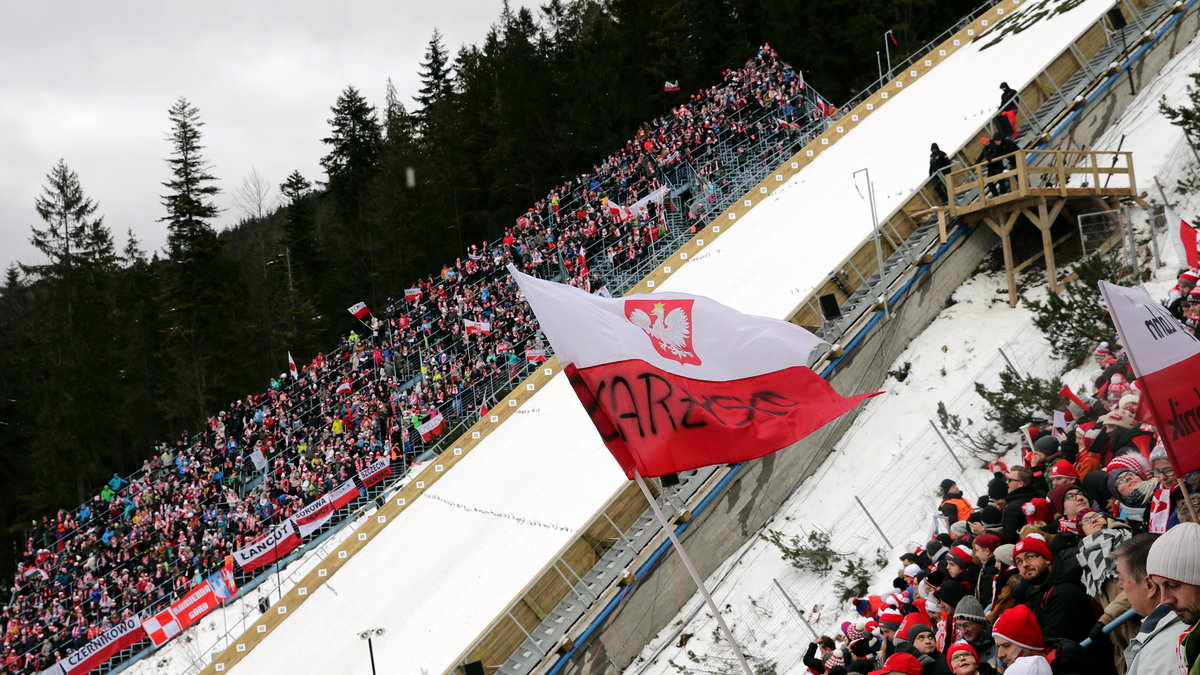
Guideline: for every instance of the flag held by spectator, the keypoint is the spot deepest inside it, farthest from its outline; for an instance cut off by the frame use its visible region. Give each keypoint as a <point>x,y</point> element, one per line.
<point>358,309</point>
<point>432,427</point>
<point>535,355</point>
<point>1166,359</point>
<point>675,382</point>
<point>343,387</point>
<point>1184,237</point>
<point>259,459</point>
<point>412,294</point>
<point>671,86</point>
<point>292,367</point>
<point>477,327</point>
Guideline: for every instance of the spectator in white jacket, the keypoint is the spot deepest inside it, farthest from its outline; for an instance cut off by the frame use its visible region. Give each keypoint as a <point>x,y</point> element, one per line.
<point>1152,650</point>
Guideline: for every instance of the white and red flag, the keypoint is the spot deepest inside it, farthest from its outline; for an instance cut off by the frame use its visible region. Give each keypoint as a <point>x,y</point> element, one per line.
<point>412,294</point>
<point>343,387</point>
<point>432,427</point>
<point>343,494</point>
<point>1183,235</point>
<point>671,86</point>
<point>358,309</point>
<point>535,355</point>
<point>162,627</point>
<point>292,367</point>
<point>477,327</point>
<point>1166,359</point>
<point>100,649</point>
<point>675,382</point>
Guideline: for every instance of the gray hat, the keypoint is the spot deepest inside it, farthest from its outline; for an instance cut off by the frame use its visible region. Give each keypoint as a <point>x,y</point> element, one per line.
<point>1176,555</point>
<point>969,608</point>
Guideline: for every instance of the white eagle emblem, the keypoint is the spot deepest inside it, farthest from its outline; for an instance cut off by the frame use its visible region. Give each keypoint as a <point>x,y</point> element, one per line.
<point>669,325</point>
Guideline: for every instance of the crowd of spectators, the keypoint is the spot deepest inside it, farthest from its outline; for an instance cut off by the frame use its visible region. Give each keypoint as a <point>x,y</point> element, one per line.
<point>1040,574</point>
<point>145,539</point>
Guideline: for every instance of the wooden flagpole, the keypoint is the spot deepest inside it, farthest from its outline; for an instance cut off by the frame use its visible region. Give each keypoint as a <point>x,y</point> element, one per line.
<point>687,562</point>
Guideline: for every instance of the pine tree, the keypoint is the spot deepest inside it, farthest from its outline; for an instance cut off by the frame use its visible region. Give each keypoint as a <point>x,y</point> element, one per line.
<point>436,86</point>
<point>72,238</point>
<point>189,202</point>
<point>198,281</point>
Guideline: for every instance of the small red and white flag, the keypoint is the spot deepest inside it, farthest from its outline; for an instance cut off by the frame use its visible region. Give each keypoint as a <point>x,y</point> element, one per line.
<point>343,387</point>
<point>1166,359</point>
<point>412,294</point>
<point>292,367</point>
<point>535,355</point>
<point>161,627</point>
<point>671,86</point>
<point>800,79</point>
<point>617,211</point>
<point>675,382</point>
<point>477,327</point>
<point>358,309</point>
<point>1183,235</point>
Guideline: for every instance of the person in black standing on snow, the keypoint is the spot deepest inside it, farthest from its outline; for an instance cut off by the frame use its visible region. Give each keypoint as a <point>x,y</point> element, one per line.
<point>1006,119</point>
<point>939,166</point>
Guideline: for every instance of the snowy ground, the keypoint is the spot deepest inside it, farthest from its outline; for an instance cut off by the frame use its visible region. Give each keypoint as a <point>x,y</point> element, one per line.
<point>890,443</point>
<point>438,574</point>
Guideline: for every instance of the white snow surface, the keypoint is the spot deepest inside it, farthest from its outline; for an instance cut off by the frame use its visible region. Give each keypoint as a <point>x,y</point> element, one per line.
<point>450,563</point>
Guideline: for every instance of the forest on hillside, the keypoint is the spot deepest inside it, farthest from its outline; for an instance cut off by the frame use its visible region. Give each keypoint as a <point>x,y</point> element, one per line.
<point>106,352</point>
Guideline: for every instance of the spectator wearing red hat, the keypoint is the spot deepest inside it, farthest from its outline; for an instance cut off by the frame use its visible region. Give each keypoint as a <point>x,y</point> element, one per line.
<point>1053,592</point>
<point>1178,295</point>
<point>1018,635</point>
<point>899,664</point>
<point>983,550</point>
<point>964,660</point>
<point>1063,473</point>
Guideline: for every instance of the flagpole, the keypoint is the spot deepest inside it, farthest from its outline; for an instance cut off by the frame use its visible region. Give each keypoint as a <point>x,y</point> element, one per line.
<point>687,562</point>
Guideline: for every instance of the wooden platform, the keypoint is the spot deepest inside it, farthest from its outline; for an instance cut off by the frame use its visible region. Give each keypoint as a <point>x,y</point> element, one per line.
<point>1045,185</point>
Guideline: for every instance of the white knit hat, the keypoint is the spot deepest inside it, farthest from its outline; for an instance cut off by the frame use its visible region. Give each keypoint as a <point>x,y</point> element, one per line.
<point>1029,665</point>
<point>1176,555</point>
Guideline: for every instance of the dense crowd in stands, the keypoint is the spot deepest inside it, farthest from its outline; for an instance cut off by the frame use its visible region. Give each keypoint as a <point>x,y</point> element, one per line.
<point>1092,524</point>
<point>145,539</point>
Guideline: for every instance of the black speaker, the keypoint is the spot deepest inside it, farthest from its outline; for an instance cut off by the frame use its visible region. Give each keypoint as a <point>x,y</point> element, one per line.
<point>473,668</point>
<point>829,307</point>
<point>1116,18</point>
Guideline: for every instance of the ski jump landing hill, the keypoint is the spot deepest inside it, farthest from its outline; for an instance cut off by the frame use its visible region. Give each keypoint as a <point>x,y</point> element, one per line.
<point>472,560</point>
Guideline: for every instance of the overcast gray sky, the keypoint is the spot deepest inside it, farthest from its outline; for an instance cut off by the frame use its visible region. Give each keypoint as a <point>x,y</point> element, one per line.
<point>91,82</point>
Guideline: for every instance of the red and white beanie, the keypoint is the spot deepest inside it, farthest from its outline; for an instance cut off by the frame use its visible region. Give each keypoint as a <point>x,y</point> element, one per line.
<point>960,555</point>
<point>1063,469</point>
<point>1132,461</point>
<point>1032,544</point>
<point>1037,510</point>
<point>1020,627</point>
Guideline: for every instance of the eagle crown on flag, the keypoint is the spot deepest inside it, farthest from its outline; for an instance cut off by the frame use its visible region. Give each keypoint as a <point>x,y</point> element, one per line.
<point>674,382</point>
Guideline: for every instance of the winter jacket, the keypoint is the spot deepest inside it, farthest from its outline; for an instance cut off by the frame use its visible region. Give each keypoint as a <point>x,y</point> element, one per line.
<point>1014,517</point>
<point>940,163</point>
<point>1068,658</point>
<point>985,589</point>
<point>955,509</point>
<point>1060,603</point>
<point>1008,99</point>
<point>1152,650</point>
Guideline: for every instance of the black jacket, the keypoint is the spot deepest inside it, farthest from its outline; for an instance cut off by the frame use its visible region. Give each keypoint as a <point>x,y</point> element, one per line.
<point>1060,603</point>
<point>939,162</point>
<point>1014,517</point>
<point>1008,99</point>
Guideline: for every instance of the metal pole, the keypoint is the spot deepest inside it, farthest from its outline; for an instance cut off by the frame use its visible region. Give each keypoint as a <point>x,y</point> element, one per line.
<point>371,651</point>
<point>947,446</point>
<point>1154,256</point>
<point>797,610</point>
<point>879,67</point>
<point>887,312</point>
<point>888,49</point>
<point>877,527</point>
<point>1009,362</point>
<point>687,562</point>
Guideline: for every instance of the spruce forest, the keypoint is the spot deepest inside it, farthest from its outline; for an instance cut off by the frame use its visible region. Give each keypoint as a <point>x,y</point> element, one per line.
<point>105,353</point>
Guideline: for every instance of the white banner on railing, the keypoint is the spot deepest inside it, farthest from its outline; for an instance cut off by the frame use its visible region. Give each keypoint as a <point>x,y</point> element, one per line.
<point>88,657</point>
<point>277,543</point>
<point>343,494</point>
<point>375,472</point>
<point>310,518</point>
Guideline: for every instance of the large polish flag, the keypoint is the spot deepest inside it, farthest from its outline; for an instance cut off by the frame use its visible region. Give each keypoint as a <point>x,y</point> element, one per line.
<point>1166,359</point>
<point>675,382</point>
<point>1183,235</point>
